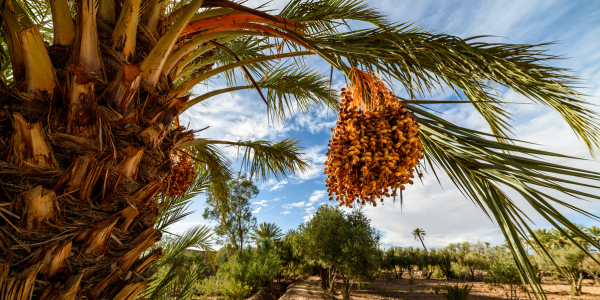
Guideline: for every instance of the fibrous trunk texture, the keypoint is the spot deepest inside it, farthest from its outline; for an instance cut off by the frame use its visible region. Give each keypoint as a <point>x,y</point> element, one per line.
<point>86,147</point>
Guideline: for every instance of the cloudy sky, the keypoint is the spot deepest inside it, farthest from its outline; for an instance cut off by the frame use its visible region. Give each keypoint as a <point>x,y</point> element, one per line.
<point>441,211</point>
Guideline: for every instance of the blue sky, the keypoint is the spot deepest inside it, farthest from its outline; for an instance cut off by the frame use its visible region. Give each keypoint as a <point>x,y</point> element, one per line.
<point>442,212</point>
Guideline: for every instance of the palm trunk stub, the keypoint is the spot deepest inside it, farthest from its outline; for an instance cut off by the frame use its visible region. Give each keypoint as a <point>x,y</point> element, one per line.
<point>82,175</point>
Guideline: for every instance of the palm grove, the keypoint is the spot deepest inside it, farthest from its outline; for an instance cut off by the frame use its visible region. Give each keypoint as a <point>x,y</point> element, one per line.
<point>94,163</point>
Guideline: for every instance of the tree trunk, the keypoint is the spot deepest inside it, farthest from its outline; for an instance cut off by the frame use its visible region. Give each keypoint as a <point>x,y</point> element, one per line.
<point>324,278</point>
<point>346,287</point>
<point>422,243</point>
<point>332,275</point>
<point>87,147</point>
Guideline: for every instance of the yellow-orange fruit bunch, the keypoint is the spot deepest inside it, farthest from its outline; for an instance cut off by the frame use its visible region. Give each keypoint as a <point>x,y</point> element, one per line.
<point>375,147</point>
<point>182,176</point>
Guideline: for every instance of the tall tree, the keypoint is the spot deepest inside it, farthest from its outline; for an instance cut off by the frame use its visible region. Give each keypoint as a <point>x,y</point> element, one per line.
<point>420,235</point>
<point>91,140</point>
<point>236,223</point>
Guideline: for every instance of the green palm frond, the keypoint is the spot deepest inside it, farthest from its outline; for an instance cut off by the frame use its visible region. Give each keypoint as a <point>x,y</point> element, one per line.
<point>267,231</point>
<point>423,63</point>
<point>265,159</point>
<point>325,16</point>
<point>199,236</point>
<point>483,169</point>
<point>176,208</point>
<point>217,167</point>
<point>181,278</point>
<point>289,89</point>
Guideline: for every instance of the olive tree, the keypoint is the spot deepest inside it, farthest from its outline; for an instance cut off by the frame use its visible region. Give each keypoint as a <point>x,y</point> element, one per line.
<point>342,243</point>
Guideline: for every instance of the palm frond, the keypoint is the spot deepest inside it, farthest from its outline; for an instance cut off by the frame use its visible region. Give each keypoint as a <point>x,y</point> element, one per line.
<point>199,236</point>
<point>424,62</point>
<point>176,208</point>
<point>181,279</point>
<point>289,89</point>
<point>265,159</point>
<point>479,166</point>
<point>325,16</point>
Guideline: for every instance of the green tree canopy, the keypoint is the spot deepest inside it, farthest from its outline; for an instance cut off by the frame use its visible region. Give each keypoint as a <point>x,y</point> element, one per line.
<point>236,220</point>
<point>345,243</point>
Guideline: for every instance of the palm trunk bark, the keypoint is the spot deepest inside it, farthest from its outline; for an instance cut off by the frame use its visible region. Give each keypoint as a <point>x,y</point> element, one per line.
<point>422,243</point>
<point>88,148</point>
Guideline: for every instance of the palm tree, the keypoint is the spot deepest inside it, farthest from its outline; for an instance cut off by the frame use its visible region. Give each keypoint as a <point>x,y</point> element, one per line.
<point>487,245</point>
<point>419,234</point>
<point>267,231</point>
<point>594,232</point>
<point>92,140</point>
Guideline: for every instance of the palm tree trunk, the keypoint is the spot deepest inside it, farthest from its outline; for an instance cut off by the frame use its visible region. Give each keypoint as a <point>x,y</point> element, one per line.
<point>86,154</point>
<point>422,243</point>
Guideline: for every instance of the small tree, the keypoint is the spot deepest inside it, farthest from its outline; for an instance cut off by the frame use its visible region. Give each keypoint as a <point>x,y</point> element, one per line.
<point>592,268</point>
<point>236,222</point>
<point>569,263</point>
<point>359,252</point>
<point>391,261</point>
<point>444,259</point>
<point>342,243</point>
<point>474,261</point>
<point>252,266</point>
<point>503,272</point>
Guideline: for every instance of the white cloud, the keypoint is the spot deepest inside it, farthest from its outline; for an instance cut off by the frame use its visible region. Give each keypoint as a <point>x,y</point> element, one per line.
<point>261,202</point>
<point>310,210</point>
<point>316,156</point>
<point>444,213</point>
<point>317,195</point>
<point>308,217</point>
<point>257,210</point>
<point>290,205</point>
<point>279,185</point>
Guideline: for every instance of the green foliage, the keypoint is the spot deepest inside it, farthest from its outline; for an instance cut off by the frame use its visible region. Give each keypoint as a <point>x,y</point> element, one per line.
<point>237,221</point>
<point>459,270</point>
<point>293,262</point>
<point>178,279</point>
<point>236,290</point>
<point>592,267</point>
<point>266,231</point>
<point>457,292</point>
<point>211,287</point>
<point>569,263</point>
<point>252,266</point>
<point>343,243</point>
<point>503,272</point>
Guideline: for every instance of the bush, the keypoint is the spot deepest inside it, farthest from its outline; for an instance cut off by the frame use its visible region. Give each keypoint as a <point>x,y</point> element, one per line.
<point>252,266</point>
<point>503,273</point>
<point>210,287</point>
<point>236,290</point>
<point>459,271</point>
<point>569,260</point>
<point>457,293</point>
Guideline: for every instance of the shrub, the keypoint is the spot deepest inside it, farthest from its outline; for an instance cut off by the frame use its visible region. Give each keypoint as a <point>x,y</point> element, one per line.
<point>236,290</point>
<point>210,287</point>
<point>457,293</point>
<point>569,260</point>
<point>503,273</point>
<point>252,266</point>
<point>459,270</point>
<point>438,274</point>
